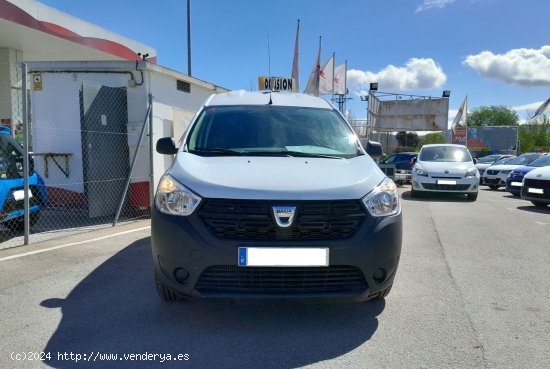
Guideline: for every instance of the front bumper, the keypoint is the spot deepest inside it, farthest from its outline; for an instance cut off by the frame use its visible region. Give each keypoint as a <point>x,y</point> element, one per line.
<point>461,185</point>
<point>514,184</point>
<point>402,176</point>
<point>186,242</point>
<point>536,191</point>
<point>495,180</point>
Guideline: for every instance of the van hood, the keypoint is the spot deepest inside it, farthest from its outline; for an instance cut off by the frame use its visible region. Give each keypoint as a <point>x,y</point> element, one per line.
<point>449,169</point>
<point>267,178</point>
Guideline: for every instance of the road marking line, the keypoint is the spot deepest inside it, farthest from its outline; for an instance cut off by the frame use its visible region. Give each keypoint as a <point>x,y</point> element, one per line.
<point>72,244</point>
<point>541,223</point>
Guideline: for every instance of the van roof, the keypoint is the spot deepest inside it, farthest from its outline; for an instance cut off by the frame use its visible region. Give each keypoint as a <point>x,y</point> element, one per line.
<point>260,98</point>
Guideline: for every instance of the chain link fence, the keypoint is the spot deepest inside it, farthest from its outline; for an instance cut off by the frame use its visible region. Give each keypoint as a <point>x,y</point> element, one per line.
<point>89,149</point>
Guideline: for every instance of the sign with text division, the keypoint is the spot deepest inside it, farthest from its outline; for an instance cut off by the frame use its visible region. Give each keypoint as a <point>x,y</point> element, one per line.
<point>275,83</point>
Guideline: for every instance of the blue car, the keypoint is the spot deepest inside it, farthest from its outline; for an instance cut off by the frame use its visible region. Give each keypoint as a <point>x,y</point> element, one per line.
<point>514,182</point>
<point>11,185</point>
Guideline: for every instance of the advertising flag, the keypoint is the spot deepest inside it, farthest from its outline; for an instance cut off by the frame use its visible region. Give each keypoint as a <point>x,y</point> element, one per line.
<point>461,115</point>
<point>340,79</point>
<point>542,109</point>
<point>312,87</point>
<point>326,77</point>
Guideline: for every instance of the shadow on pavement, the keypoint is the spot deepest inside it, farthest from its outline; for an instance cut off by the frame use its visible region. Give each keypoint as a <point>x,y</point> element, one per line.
<point>535,209</point>
<point>115,310</point>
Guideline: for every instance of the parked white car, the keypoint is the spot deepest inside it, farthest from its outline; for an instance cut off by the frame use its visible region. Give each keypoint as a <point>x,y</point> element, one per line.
<point>486,161</point>
<point>536,187</point>
<point>445,168</point>
<point>495,176</point>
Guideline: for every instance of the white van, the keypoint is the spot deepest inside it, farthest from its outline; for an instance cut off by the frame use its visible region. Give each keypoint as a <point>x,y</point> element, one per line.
<point>272,195</point>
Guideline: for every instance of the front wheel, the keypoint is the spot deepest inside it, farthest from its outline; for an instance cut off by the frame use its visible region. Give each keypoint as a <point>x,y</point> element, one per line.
<point>493,187</point>
<point>380,295</point>
<point>472,196</point>
<point>539,204</point>
<point>165,293</point>
<point>18,224</point>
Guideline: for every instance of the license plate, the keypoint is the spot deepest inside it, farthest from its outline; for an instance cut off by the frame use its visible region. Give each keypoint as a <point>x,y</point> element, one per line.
<point>282,257</point>
<point>446,182</point>
<point>540,191</point>
<point>20,195</point>
<point>517,184</point>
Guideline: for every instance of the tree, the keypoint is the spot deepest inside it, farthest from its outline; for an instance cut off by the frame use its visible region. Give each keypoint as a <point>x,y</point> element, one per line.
<point>494,115</point>
<point>432,138</point>
<point>535,135</point>
<point>407,139</point>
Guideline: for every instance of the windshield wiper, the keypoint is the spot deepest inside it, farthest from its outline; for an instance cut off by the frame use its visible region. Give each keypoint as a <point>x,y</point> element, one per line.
<point>216,151</point>
<point>310,155</point>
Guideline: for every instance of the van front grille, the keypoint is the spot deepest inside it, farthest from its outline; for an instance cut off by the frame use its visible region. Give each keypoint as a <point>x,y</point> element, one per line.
<point>254,219</point>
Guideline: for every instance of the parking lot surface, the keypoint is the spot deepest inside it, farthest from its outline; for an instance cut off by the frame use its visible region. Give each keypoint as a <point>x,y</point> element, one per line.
<point>472,291</point>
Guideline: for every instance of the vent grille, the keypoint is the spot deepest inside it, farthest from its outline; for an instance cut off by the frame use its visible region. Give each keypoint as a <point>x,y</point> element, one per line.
<point>234,279</point>
<point>183,86</point>
<point>442,187</point>
<point>253,220</point>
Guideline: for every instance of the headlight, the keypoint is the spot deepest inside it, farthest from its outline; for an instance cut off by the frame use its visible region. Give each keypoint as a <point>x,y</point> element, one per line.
<point>505,171</point>
<point>421,172</point>
<point>174,198</point>
<point>383,200</point>
<point>471,172</point>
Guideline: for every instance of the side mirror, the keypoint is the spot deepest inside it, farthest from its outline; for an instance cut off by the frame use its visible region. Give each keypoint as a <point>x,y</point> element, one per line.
<point>374,149</point>
<point>166,146</point>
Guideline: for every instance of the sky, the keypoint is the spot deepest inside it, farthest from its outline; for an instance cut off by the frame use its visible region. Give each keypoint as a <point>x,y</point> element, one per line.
<point>495,52</point>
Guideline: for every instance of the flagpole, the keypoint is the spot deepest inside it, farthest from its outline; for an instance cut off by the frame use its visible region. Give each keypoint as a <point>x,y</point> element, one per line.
<point>296,60</point>
<point>333,64</point>
<point>465,115</point>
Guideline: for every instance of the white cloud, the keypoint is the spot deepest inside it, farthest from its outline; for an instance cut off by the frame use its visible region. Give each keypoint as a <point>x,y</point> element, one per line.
<point>430,4</point>
<point>416,74</point>
<point>526,67</point>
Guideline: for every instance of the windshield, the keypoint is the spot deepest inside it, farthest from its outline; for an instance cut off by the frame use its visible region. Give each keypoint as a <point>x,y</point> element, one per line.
<point>504,160</point>
<point>271,131</point>
<point>543,161</point>
<point>445,153</point>
<point>488,159</point>
<point>523,159</point>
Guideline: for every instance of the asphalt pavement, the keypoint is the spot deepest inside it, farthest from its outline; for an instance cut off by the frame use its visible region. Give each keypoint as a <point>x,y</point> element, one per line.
<point>472,291</point>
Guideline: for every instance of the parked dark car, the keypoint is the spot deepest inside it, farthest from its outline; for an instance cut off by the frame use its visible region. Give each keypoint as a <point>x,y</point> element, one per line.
<point>514,182</point>
<point>403,163</point>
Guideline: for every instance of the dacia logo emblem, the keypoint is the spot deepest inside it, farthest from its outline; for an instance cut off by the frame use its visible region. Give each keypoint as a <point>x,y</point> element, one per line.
<point>284,215</point>
<point>539,175</point>
<point>446,172</point>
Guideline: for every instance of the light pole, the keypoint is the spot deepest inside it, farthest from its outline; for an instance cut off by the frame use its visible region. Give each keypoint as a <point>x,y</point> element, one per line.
<point>189,37</point>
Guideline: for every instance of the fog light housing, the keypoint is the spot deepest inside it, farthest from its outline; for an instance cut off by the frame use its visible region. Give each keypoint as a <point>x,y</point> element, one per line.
<point>181,275</point>
<point>379,275</point>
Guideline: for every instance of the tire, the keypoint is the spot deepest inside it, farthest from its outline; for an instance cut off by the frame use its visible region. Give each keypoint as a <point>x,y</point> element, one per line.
<point>165,293</point>
<point>539,204</point>
<point>380,295</point>
<point>414,194</point>
<point>472,196</point>
<point>493,187</point>
<point>19,224</point>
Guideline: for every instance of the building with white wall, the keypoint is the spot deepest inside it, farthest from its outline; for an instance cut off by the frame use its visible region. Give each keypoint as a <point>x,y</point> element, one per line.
<point>68,91</point>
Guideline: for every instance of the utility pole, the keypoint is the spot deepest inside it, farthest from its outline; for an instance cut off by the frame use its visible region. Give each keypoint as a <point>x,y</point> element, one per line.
<point>189,37</point>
